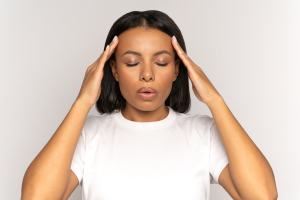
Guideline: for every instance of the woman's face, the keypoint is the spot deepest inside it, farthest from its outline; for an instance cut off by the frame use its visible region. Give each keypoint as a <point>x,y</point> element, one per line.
<point>145,58</point>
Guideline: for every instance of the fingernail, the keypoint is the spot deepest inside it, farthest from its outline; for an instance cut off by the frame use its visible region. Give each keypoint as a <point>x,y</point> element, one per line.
<point>174,38</point>
<point>115,38</point>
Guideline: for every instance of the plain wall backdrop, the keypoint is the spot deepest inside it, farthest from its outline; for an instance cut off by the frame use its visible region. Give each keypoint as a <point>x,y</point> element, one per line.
<point>249,50</point>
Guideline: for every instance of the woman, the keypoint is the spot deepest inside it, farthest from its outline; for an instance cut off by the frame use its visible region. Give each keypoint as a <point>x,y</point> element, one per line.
<point>144,145</point>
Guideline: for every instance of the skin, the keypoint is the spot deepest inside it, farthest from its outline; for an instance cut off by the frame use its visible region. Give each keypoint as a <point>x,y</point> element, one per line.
<point>147,72</point>
<point>248,174</point>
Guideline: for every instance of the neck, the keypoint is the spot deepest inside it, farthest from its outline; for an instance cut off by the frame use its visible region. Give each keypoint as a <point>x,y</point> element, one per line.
<point>134,114</point>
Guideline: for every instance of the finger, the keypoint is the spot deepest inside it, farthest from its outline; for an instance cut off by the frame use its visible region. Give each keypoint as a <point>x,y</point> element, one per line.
<point>95,64</point>
<point>113,45</point>
<point>182,55</point>
<point>103,58</point>
<point>111,49</point>
<point>99,63</point>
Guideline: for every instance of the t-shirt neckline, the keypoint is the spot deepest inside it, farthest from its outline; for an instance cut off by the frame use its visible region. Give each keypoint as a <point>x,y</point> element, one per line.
<point>121,120</point>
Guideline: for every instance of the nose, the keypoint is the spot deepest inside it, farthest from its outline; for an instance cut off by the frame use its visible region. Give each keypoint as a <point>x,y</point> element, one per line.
<point>147,74</point>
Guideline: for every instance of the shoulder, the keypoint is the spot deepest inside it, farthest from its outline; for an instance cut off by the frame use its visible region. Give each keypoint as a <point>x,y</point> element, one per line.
<point>203,119</point>
<point>196,119</point>
<point>94,123</point>
<point>199,122</point>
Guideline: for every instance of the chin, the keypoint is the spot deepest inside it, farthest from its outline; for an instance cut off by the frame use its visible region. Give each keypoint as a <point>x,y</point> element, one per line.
<point>148,106</point>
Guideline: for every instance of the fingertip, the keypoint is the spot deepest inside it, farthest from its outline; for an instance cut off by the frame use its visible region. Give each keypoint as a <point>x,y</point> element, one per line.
<point>174,38</point>
<point>107,50</point>
<point>115,38</point>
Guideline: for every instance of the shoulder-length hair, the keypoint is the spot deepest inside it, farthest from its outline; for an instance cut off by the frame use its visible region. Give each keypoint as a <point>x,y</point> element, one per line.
<point>111,98</point>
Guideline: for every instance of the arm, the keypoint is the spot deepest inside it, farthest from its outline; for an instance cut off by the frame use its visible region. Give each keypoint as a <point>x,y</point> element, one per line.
<point>47,175</point>
<point>248,168</point>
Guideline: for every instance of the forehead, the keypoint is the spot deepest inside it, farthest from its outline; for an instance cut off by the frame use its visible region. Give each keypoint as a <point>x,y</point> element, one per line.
<point>146,41</point>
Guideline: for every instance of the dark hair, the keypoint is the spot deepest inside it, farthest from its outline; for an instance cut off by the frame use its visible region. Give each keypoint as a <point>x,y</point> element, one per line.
<point>111,98</point>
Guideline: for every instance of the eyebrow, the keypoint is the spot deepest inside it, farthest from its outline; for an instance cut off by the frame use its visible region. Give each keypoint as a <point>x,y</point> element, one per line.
<point>139,54</point>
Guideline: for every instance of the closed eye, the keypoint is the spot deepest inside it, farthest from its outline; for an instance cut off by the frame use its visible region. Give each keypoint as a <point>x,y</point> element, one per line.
<point>130,65</point>
<point>164,64</point>
<point>134,64</point>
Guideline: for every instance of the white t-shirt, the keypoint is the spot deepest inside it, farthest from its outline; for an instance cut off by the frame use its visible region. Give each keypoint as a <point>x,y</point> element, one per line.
<point>174,158</point>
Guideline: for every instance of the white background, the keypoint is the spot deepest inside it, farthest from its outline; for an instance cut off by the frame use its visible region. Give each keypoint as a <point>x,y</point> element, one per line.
<point>249,49</point>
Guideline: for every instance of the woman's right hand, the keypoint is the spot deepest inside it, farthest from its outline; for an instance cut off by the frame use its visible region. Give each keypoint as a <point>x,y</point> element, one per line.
<point>91,86</point>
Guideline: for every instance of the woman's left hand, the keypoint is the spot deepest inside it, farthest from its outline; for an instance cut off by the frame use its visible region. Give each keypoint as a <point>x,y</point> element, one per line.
<point>202,87</point>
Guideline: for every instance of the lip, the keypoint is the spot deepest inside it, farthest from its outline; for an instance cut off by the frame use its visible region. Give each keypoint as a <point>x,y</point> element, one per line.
<point>146,89</point>
<point>147,93</point>
<point>147,96</point>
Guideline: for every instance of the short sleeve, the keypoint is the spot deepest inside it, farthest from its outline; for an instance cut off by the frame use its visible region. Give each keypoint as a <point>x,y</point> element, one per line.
<point>77,164</point>
<point>217,157</point>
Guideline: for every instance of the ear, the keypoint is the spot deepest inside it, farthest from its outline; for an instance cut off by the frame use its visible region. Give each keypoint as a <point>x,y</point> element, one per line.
<point>113,66</point>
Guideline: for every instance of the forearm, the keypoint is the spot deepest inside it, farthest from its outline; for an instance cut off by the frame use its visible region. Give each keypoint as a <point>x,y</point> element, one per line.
<point>249,169</point>
<point>48,173</point>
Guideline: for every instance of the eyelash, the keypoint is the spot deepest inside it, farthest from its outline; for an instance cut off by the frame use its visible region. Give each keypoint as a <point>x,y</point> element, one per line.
<point>131,65</point>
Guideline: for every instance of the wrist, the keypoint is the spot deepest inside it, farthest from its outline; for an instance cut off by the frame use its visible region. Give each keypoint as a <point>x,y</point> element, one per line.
<point>217,100</point>
<point>82,104</point>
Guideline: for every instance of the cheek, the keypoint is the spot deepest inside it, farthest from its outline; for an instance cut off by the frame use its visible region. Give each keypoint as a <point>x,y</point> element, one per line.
<point>126,77</point>
<point>128,83</point>
<point>165,82</point>
<point>166,76</point>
